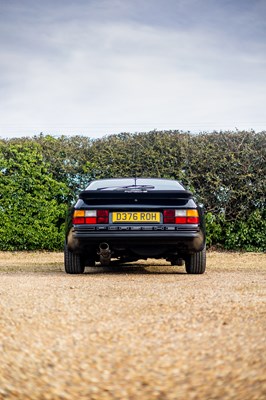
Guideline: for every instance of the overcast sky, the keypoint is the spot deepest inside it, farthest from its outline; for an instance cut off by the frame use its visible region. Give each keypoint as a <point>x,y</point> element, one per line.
<point>96,67</point>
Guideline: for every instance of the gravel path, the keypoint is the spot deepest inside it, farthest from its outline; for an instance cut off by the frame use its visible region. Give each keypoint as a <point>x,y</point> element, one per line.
<point>148,331</point>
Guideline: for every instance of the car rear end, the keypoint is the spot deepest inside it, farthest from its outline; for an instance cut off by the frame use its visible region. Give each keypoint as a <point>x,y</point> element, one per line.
<point>148,219</point>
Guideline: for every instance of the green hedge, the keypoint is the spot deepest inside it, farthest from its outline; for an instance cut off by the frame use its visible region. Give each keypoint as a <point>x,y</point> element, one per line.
<point>243,234</point>
<point>32,202</point>
<point>226,171</point>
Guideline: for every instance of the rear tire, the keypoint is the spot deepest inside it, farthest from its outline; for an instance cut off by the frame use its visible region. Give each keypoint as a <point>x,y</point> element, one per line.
<point>196,263</point>
<point>74,263</point>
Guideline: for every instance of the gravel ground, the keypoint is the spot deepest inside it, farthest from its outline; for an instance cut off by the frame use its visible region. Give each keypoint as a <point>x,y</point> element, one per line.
<point>146,331</point>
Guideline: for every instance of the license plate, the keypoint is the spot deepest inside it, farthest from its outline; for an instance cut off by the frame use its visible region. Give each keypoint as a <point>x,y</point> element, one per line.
<point>136,216</point>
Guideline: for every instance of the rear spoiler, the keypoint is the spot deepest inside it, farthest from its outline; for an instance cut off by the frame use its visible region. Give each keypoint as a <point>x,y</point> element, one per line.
<point>94,195</point>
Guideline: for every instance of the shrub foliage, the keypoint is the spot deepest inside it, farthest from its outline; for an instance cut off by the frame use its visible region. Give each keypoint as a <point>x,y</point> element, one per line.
<point>226,171</point>
<point>32,206</point>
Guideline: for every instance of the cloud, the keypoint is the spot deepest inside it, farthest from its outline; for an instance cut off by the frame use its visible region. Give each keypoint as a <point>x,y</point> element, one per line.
<point>100,69</point>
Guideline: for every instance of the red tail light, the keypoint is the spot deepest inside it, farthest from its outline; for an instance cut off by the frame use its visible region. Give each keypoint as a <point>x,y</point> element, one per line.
<point>102,216</point>
<point>181,220</point>
<point>94,217</point>
<point>78,220</point>
<point>169,216</point>
<point>181,216</point>
<point>192,220</point>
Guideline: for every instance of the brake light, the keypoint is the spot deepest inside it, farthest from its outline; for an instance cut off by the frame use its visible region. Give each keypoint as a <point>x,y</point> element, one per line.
<point>102,217</point>
<point>181,216</point>
<point>78,220</point>
<point>81,217</point>
<point>169,216</point>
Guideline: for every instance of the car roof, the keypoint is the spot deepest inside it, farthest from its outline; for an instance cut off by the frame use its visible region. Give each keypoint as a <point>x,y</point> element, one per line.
<point>157,183</point>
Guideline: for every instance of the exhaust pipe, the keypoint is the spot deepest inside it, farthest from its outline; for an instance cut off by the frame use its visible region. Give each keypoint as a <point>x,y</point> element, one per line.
<point>104,253</point>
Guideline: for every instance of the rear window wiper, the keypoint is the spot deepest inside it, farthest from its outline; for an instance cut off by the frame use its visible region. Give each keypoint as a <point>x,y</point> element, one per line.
<point>129,187</point>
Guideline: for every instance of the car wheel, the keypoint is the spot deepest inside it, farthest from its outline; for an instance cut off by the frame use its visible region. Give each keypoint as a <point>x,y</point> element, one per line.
<point>74,263</point>
<point>196,263</point>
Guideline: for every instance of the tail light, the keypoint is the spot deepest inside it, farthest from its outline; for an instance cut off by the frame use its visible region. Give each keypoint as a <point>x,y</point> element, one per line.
<point>90,217</point>
<point>181,216</point>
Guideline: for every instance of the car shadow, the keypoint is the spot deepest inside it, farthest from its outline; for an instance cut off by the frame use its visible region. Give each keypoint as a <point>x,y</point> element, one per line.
<point>121,269</point>
<point>136,269</point>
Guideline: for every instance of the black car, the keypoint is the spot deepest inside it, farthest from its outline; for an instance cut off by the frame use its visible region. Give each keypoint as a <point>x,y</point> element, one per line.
<point>135,218</point>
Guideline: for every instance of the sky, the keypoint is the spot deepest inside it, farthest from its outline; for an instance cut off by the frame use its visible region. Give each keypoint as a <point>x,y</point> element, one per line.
<point>98,67</point>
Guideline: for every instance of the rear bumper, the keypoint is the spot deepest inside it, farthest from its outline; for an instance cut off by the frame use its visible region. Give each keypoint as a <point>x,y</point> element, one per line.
<point>185,238</point>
